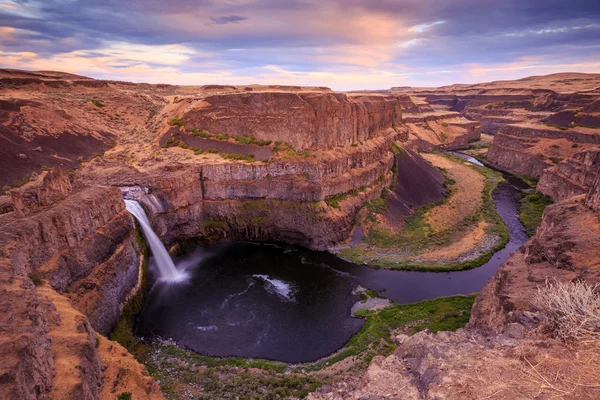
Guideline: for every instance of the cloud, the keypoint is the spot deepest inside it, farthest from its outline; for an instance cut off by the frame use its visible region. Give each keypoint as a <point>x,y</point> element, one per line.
<point>351,43</point>
<point>231,19</point>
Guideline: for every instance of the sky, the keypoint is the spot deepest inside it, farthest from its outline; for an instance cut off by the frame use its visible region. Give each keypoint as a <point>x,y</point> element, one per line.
<point>342,44</point>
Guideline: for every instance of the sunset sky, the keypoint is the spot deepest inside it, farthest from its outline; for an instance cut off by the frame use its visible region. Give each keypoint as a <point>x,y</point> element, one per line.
<point>342,44</point>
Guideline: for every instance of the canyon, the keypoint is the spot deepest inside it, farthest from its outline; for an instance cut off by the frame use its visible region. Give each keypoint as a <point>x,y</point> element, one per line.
<point>301,165</point>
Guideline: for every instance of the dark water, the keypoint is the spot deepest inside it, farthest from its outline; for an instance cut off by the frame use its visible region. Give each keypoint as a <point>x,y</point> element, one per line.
<point>256,300</point>
<point>287,303</point>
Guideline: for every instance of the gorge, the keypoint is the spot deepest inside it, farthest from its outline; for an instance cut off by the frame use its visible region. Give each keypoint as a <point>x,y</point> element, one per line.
<point>313,234</point>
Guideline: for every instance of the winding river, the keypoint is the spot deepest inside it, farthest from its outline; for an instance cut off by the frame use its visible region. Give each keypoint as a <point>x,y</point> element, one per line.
<point>287,303</point>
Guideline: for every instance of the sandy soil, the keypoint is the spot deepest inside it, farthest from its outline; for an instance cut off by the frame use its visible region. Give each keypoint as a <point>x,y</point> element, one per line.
<point>472,239</point>
<point>465,200</point>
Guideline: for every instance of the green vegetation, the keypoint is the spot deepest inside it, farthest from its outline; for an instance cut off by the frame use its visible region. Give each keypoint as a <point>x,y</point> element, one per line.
<point>36,279</point>
<point>396,149</point>
<point>418,235</point>
<point>375,337</point>
<point>555,160</point>
<point>214,224</point>
<point>238,157</point>
<point>124,396</point>
<point>123,332</point>
<point>171,142</point>
<point>97,103</point>
<point>529,180</point>
<point>176,121</point>
<point>334,201</point>
<point>574,145</point>
<point>244,139</point>
<point>443,137</point>
<point>532,208</point>
<point>251,140</point>
<point>222,137</point>
<point>18,183</point>
<point>378,206</point>
<point>202,134</point>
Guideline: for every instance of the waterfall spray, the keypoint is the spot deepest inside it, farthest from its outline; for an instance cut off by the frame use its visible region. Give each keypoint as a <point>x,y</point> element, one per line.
<point>165,265</point>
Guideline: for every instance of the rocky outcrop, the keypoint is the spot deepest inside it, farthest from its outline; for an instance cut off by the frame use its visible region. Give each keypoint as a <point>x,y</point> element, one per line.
<point>593,197</point>
<point>61,239</point>
<point>571,177</point>
<point>557,251</point>
<point>529,149</point>
<point>305,120</point>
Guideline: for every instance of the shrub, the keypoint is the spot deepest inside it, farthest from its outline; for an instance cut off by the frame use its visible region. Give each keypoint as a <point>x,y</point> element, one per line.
<point>222,137</point>
<point>97,103</point>
<point>212,150</point>
<point>574,145</point>
<point>202,134</point>
<point>238,157</point>
<point>124,396</point>
<point>175,121</point>
<point>36,279</point>
<point>263,142</point>
<point>555,160</point>
<point>244,139</point>
<point>572,308</point>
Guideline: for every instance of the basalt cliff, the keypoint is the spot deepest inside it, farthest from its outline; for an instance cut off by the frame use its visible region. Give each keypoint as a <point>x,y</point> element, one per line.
<point>295,164</point>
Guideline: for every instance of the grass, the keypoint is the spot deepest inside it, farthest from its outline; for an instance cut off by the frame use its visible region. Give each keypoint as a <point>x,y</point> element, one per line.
<point>36,279</point>
<point>418,236</point>
<point>237,157</point>
<point>17,183</point>
<point>172,142</point>
<point>202,134</point>
<point>181,371</point>
<point>97,103</point>
<point>529,180</point>
<point>176,121</point>
<point>375,337</point>
<point>555,160</point>
<point>532,208</point>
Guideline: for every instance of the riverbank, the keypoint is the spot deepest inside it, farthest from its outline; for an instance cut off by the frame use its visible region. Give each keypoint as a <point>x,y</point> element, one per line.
<point>461,232</point>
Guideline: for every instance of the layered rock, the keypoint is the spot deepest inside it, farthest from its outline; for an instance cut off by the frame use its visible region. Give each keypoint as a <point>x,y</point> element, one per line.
<point>530,149</point>
<point>440,130</point>
<point>305,120</point>
<point>571,177</point>
<point>280,200</point>
<point>79,239</point>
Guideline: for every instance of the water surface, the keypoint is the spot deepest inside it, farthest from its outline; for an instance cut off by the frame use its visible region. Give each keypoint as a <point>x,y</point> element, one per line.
<point>287,303</point>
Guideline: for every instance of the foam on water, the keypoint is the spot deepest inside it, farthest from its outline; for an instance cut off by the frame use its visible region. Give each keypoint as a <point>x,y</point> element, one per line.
<point>207,328</point>
<point>284,290</point>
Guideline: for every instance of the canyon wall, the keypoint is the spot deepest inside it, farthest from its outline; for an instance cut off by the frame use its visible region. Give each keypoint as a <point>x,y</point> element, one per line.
<point>305,120</point>
<point>571,177</point>
<point>279,200</point>
<point>529,149</point>
<point>73,240</point>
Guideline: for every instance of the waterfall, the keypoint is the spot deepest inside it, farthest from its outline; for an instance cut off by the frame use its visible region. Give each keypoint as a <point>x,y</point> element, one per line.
<point>165,265</point>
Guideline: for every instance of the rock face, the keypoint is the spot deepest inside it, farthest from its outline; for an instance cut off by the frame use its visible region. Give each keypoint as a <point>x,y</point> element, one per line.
<point>316,120</point>
<point>571,177</point>
<point>61,237</point>
<point>274,201</point>
<point>530,149</point>
<point>505,341</point>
